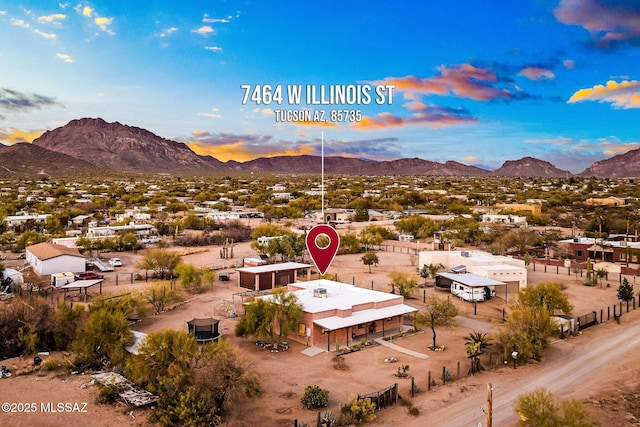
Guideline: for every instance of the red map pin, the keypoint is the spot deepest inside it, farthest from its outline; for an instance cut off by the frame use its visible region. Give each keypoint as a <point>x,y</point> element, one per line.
<point>323,256</point>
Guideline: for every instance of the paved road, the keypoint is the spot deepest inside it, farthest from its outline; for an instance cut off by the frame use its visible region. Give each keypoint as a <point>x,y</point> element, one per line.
<point>573,368</point>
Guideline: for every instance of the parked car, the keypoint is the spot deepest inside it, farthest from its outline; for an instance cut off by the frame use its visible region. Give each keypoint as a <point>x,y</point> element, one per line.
<point>150,239</point>
<point>88,275</point>
<point>115,262</point>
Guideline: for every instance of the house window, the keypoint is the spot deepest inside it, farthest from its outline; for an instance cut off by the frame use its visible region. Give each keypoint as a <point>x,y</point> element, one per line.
<point>361,326</point>
<point>578,253</point>
<point>622,257</point>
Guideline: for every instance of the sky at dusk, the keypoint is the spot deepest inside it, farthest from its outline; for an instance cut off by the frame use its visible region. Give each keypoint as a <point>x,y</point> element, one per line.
<point>475,82</point>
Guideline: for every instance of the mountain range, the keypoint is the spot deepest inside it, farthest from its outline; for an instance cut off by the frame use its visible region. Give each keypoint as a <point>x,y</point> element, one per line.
<point>91,146</point>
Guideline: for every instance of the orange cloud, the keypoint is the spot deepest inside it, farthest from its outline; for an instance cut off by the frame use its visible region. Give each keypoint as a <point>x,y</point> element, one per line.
<point>610,22</point>
<point>537,73</point>
<point>431,116</point>
<point>16,135</point>
<point>241,151</point>
<point>624,95</point>
<point>461,81</point>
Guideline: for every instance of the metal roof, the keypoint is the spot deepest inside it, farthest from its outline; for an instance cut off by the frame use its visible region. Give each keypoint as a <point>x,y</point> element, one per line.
<point>364,316</point>
<point>471,280</point>
<point>79,284</point>
<point>270,268</point>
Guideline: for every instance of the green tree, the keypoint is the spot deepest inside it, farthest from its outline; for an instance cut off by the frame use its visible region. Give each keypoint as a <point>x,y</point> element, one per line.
<point>132,305</point>
<point>30,237</point>
<point>349,244</point>
<point>161,261</point>
<point>370,238</point>
<point>67,320</point>
<point>430,270</point>
<point>130,240</point>
<point>529,324</point>
<point>625,291</point>
<point>369,259</point>
<point>402,282</point>
<point>437,312</point>
<point>225,377</point>
<point>268,230</point>
<point>159,295</point>
<point>599,222</point>
<point>361,214</point>
<point>547,294</point>
<point>195,384</point>
<point>101,341</point>
<point>164,361</point>
<point>194,279</point>
<point>541,408</point>
<point>272,317</point>
<point>289,246</point>
<point>418,226</point>
<point>600,274</point>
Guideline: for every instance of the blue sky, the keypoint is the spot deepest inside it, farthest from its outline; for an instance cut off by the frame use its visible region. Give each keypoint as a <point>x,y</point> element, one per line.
<point>475,82</point>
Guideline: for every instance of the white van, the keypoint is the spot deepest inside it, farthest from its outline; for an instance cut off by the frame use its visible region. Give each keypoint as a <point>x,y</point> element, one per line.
<point>405,237</point>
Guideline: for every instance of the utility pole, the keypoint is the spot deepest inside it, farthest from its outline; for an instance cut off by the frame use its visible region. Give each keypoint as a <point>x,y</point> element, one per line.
<point>489,405</point>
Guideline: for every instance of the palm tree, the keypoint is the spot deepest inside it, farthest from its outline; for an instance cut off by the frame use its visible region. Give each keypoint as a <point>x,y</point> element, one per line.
<point>476,342</point>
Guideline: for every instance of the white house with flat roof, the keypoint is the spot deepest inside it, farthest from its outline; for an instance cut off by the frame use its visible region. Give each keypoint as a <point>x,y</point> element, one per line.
<point>344,312</point>
<point>511,271</point>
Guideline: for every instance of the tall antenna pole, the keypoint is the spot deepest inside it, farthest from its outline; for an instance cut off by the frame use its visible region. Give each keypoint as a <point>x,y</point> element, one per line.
<point>322,179</point>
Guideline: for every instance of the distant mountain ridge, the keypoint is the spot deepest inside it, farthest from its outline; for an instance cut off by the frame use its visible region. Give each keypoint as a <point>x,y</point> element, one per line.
<point>625,165</point>
<point>28,161</point>
<point>529,167</point>
<point>123,148</point>
<point>129,149</point>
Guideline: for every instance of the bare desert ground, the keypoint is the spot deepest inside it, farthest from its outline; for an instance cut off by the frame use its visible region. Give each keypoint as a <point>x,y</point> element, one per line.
<point>590,367</point>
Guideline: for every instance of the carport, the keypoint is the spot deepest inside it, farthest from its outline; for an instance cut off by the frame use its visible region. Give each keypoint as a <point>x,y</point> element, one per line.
<point>80,285</point>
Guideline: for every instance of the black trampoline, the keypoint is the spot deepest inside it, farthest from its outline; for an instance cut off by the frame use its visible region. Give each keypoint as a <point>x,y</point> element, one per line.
<point>204,330</point>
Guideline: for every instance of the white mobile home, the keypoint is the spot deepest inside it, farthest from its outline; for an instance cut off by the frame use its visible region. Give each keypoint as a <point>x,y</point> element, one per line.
<point>469,287</point>
<point>48,258</point>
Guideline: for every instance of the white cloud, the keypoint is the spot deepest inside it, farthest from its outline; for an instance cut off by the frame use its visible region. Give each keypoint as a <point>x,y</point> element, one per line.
<point>168,32</point>
<point>45,35</point>
<point>213,48</point>
<point>207,20</point>
<point>20,23</point>
<point>212,115</point>
<point>205,30</point>
<point>52,18</point>
<point>64,57</point>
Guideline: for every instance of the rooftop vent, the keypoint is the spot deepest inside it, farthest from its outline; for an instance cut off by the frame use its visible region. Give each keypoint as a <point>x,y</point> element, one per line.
<point>320,293</point>
<point>465,254</point>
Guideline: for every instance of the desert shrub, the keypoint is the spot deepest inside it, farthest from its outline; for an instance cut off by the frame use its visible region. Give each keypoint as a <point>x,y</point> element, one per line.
<point>50,364</point>
<point>315,397</point>
<point>414,411</point>
<point>363,410</point>
<point>108,393</point>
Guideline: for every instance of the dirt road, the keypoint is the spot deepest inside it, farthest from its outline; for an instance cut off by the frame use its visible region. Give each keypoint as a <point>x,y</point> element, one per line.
<point>570,370</point>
